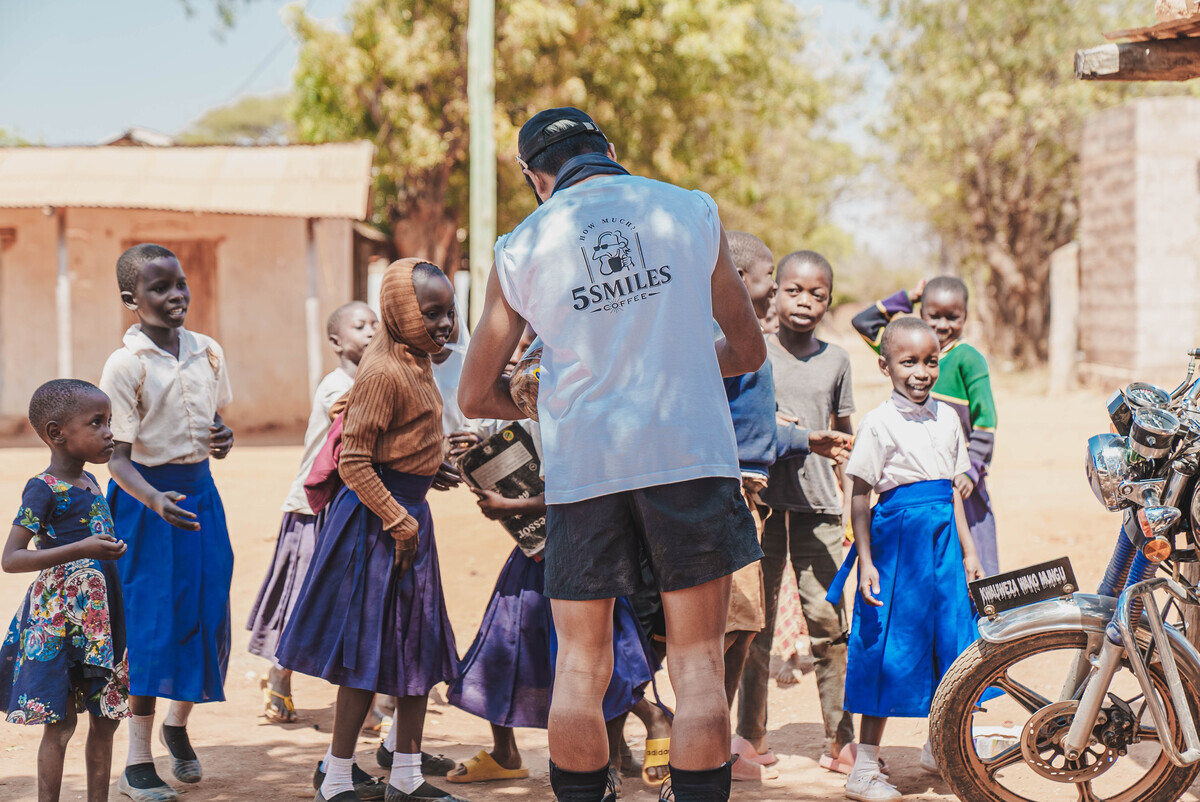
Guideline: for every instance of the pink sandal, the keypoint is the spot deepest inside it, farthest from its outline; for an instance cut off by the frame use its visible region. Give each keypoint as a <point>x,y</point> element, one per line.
<point>844,762</point>
<point>742,747</point>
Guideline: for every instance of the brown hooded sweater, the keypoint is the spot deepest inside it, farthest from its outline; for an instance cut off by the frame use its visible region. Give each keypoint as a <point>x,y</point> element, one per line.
<point>394,412</point>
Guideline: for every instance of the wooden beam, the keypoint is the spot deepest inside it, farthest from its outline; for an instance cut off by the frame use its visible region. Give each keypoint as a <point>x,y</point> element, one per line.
<point>1154,60</point>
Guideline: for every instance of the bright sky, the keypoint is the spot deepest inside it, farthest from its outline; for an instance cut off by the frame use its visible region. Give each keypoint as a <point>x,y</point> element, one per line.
<point>81,71</point>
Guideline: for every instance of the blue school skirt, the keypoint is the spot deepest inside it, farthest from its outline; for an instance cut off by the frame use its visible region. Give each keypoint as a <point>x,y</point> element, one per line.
<point>356,622</point>
<point>508,673</point>
<point>899,652</point>
<point>175,584</point>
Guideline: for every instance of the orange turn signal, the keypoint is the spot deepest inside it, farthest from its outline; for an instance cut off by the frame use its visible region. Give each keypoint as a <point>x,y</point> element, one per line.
<point>1157,550</point>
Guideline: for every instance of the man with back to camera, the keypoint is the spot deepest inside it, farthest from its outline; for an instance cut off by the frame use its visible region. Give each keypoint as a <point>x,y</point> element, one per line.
<point>622,277</point>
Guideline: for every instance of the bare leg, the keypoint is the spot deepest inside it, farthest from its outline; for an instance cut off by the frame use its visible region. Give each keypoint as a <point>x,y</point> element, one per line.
<point>657,726</point>
<point>695,641</point>
<point>578,741</point>
<point>505,751</point>
<point>142,705</point>
<point>409,722</point>
<point>51,754</point>
<point>870,730</point>
<point>615,728</point>
<point>737,649</point>
<point>98,756</point>
<point>348,716</point>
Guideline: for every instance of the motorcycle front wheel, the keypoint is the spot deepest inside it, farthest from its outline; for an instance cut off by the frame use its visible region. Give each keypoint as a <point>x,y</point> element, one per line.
<point>1007,747</point>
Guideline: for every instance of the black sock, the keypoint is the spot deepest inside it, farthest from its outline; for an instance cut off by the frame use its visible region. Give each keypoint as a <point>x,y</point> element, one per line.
<point>709,785</point>
<point>177,742</point>
<point>143,776</point>
<point>578,786</point>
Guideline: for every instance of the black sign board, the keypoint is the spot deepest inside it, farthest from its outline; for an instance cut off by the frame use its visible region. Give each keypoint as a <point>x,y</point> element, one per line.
<point>995,594</point>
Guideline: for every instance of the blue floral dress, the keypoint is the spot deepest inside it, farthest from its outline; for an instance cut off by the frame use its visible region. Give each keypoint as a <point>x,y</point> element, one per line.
<point>65,649</point>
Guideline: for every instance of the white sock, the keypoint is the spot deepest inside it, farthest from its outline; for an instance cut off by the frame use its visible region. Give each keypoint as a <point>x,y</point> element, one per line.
<point>337,775</point>
<point>177,714</point>
<point>389,743</point>
<point>406,772</point>
<point>325,760</point>
<point>867,760</point>
<point>141,728</point>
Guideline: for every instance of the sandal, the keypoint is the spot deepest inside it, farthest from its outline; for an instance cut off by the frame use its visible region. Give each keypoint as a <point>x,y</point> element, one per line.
<point>744,770</point>
<point>277,707</point>
<point>844,762</point>
<point>742,747</point>
<point>658,753</point>
<point>484,768</point>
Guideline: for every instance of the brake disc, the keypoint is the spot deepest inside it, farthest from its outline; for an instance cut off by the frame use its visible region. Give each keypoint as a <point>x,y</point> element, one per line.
<point>1041,745</point>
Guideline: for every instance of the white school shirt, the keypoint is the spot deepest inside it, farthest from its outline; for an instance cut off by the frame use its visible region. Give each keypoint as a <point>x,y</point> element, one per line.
<point>901,442</point>
<point>162,405</point>
<point>615,276</point>
<point>332,387</point>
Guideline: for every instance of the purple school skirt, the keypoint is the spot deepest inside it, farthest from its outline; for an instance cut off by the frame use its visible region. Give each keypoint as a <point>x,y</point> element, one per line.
<point>358,623</point>
<point>508,673</point>
<point>281,588</point>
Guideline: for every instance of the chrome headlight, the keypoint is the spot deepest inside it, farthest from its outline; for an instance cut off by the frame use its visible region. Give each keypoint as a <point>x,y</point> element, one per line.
<point>1109,462</point>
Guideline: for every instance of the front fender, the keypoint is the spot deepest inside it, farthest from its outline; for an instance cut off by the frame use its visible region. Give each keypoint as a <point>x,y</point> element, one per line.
<point>1083,611</point>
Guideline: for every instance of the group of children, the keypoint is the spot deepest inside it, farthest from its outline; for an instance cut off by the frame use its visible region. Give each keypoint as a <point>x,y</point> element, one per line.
<point>131,601</point>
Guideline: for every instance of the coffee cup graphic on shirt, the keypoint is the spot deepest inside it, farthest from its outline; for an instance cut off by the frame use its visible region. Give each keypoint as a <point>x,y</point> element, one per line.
<point>612,253</point>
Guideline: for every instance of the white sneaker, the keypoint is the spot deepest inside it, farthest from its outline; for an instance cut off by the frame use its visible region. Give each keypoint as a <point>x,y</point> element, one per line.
<point>928,764</point>
<point>870,788</point>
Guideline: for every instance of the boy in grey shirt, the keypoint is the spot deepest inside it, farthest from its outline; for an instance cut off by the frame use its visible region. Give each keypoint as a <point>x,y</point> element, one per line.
<point>812,387</point>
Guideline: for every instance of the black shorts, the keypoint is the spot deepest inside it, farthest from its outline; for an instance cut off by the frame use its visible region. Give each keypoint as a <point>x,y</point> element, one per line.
<point>690,532</point>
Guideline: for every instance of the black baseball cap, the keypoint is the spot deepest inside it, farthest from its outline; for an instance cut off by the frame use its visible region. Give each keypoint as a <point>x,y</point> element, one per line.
<point>550,126</point>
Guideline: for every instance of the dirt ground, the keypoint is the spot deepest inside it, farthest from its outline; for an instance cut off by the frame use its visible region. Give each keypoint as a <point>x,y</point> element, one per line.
<point>1043,506</point>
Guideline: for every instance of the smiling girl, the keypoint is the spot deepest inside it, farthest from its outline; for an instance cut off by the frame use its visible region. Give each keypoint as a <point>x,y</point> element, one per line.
<point>167,386</point>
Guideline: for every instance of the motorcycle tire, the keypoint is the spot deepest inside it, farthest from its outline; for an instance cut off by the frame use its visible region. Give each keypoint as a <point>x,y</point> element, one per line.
<point>969,676</point>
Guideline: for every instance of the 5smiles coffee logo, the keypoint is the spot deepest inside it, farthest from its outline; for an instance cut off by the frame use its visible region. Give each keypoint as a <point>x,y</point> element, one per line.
<point>616,268</point>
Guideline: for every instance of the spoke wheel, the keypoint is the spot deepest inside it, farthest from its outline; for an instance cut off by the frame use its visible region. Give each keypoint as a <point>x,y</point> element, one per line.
<point>1026,761</point>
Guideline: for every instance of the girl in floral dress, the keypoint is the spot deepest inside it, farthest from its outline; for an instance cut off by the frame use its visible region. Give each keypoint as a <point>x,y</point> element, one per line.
<point>65,650</point>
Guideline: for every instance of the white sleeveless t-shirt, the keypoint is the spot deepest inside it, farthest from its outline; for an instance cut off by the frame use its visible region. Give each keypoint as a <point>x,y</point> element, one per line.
<point>614,274</point>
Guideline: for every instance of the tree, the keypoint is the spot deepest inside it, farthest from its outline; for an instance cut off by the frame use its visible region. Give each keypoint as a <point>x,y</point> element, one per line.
<point>251,120</point>
<point>985,121</point>
<point>711,93</point>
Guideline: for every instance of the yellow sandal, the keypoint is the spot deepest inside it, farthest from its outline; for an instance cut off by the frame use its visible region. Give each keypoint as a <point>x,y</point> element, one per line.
<point>658,753</point>
<point>282,711</point>
<point>484,768</point>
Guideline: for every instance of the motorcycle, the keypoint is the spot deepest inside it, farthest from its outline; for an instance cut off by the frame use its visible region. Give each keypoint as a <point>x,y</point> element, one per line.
<point>1105,686</point>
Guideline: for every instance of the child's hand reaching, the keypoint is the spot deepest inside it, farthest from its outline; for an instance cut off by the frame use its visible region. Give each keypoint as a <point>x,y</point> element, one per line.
<point>101,547</point>
<point>461,442</point>
<point>164,505</point>
<point>964,486</point>
<point>831,444</point>
<point>868,584</point>
<point>493,505</point>
<point>914,295</point>
<point>447,477</point>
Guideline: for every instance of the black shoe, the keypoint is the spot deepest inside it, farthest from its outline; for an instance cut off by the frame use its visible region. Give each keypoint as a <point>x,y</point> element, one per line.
<point>426,793</point>
<point>431,765</point>
<point>344,796</point>
<point>366,787</point>
<point>184,763</point>
<point>141,783</point>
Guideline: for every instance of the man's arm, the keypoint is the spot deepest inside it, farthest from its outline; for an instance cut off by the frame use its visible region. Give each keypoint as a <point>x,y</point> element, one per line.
<point>483,389</point>
<point>742,349</point>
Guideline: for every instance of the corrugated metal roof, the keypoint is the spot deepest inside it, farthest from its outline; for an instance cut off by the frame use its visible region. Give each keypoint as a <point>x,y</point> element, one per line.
<point>331,180</point>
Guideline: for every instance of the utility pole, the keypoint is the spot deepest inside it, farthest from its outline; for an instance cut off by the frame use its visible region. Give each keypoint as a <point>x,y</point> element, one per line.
<point>481,99</point>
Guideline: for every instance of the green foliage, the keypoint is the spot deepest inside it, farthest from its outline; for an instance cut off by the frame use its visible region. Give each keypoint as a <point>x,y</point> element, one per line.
<point>985,120</point>
<point>11,139</point>
<point>252,120</point>
<point>710,93</point>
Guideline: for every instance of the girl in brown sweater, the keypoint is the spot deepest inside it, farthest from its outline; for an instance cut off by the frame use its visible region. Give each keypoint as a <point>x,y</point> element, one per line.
<point>371,617</point>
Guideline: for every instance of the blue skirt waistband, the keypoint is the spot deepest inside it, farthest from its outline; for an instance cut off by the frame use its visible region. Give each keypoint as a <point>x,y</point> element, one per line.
<point>192,478</point>
<point>405,486</point>
<point>917,494</point>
